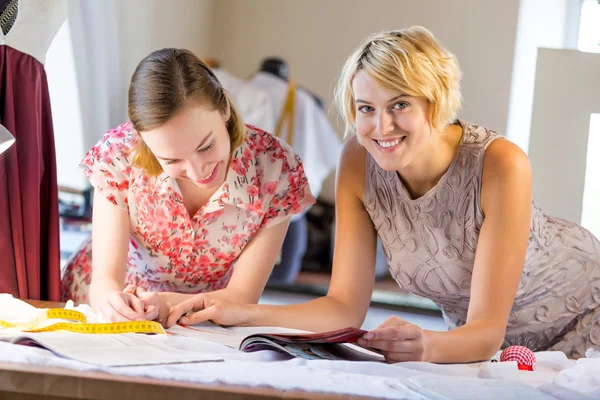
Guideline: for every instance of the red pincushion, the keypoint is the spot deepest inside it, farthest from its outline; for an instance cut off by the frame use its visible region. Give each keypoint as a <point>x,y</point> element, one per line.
<point>522,355</point>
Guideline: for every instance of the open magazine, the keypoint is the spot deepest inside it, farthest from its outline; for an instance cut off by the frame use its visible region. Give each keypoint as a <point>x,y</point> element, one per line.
<point>119,347</point>
<point>333,345</point>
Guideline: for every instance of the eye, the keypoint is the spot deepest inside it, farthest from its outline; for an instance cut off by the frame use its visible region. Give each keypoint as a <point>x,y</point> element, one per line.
<point>400,106</point>
<point>207,148</point>
<point>171,162</point>
<point>365,109</point>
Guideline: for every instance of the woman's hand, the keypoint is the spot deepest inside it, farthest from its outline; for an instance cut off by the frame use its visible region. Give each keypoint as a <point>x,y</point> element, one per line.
<point>122,306</point>
<point>208,306</point>
<point>155,306</point>
<point>397,340</point>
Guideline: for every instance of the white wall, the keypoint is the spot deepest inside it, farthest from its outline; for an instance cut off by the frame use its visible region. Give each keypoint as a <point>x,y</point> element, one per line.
<point>66,110</point>
<point>315,37</point>
<point>148,25</point>
<point>481,34</point>
<point>567,89</point>
<point>542,23</point>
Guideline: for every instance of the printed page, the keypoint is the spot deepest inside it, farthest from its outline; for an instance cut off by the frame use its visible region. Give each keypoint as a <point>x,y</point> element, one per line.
<point>209,332</point>
<point>231,337</point>
<point>113,350</point>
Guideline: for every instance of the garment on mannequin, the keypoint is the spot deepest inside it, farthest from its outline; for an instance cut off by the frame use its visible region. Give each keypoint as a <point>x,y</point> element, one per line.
<point>251,102</point>
<point>313,139</point>
<point>279,68</point>
<point>4,4</point>
<point>8,14</point>
<point>29,210</point>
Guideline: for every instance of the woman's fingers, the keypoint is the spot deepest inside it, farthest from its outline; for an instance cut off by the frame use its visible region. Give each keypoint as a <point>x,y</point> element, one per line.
<point>198,317</point>
<point>195,303</point>
<point>111,314</point>
<point>151,313</point>
<point>396,346</point>
<point>120,302</point>
<point>401,332</point>
<point>138,305</point>
<point>130,289</point>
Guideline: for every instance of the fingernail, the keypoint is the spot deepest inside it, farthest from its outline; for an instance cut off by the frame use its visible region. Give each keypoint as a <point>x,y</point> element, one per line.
<point>368,335</point>
<point>183,320</point>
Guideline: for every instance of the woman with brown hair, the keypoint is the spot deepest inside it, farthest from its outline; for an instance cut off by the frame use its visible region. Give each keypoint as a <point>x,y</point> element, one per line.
<point>182,193</point>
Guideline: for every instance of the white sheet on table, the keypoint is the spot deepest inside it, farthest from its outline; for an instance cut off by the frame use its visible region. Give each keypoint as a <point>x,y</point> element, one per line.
<point>408,380</point>
<point>555,376</point>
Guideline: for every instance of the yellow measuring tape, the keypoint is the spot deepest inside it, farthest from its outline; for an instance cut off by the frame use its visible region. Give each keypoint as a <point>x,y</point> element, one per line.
<point>288,113</point>
<point>81,325</point>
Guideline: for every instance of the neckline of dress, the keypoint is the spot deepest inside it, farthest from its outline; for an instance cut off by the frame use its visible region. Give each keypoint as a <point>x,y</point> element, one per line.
<point>5,35</point>
<point>444,177</point>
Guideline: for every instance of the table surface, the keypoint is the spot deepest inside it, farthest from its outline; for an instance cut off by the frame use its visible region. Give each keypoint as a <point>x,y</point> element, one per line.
<point>28,382</point>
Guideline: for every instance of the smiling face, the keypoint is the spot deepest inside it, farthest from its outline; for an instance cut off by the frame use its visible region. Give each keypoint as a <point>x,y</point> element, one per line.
<point>193,145</point>
<point>393,127</point>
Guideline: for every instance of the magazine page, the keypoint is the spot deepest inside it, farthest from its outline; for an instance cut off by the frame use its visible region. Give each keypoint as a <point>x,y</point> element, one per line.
<point>231,336</point>
<point>333,345</point>
<point>111,350</point>
<point>345,335</point>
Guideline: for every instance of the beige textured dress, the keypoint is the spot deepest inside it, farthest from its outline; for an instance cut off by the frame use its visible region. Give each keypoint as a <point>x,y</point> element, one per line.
<point>430,245</point>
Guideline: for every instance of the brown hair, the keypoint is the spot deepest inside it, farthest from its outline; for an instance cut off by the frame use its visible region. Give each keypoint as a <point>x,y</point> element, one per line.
<point>162,84</point>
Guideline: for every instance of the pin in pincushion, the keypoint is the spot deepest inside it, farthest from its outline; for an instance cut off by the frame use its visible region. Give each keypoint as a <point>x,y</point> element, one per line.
<point>522,355</point>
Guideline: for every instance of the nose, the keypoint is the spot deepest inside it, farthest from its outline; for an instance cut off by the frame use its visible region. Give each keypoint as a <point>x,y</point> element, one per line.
<point>198,171</point>
<point>385,122</point>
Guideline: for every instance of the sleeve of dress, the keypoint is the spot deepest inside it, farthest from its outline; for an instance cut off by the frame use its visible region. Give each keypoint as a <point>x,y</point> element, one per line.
<point>108,165</point>
<point>291,192</point>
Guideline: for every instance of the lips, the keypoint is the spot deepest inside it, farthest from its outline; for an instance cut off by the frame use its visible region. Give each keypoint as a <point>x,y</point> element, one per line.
<point>210,177</point>
<point>388,145</point>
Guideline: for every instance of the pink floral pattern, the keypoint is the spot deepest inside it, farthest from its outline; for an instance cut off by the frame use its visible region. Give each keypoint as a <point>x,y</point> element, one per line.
<point>168,249</point>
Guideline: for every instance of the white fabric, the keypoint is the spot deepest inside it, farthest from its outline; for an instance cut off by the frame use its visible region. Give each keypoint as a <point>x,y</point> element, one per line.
<point>100,79</point>
<point>6,139</point>
<point>37,23</point>
<point>315,140</point>
<point>252,103</point>
<point>555,375</point>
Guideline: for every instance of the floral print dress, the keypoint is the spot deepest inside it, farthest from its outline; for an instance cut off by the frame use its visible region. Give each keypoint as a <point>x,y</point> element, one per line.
<point>168,249</point>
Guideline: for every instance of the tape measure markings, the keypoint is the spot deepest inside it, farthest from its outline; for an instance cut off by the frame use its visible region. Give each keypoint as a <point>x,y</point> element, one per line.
<point>82,326</point>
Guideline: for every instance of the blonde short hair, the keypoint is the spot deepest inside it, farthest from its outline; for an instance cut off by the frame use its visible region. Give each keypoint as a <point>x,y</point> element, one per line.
<point>409,61</point>
<point>162,85</point>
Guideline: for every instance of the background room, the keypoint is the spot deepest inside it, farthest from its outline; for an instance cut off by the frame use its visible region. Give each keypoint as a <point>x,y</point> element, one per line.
<point>530,72</point>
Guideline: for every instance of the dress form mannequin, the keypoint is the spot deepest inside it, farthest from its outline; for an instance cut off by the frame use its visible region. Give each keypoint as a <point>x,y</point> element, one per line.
<point>251,102</point>
<point>279,68</point>
<point>4,4</point>
<point>29,220</point>
<point>8,15</point>
<point>275,66</point>
<point>294,245</point>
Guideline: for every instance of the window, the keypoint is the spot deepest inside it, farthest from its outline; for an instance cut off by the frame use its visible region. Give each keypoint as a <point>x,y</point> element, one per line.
<point>66,110</point>
<point>590,213</point>
<point>589,28</point>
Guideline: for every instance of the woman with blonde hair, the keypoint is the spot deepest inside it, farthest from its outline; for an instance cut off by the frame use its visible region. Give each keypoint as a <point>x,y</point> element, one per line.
<point>452,204</point>
<point>182,193</point>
